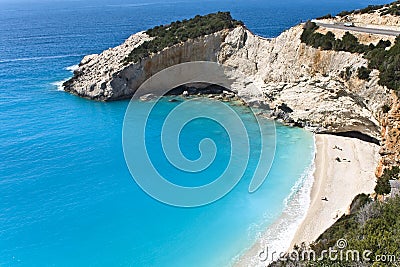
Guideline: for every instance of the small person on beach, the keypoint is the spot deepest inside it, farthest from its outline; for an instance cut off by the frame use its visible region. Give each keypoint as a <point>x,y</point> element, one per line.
<point>324,198</point>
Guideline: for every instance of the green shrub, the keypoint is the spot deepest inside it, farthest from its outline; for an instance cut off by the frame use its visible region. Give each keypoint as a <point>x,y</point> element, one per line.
<point>383,44</point>
<point>344,13</point>
<point>389,69</point>
<point>387,61</point>
<point>327,16</point>
<point>368,9</point>
<point>374,227</point>
<point>392,9</point>
<point>392,173</point>
<point>388,9</point>
<point>348,43</point>
<point>363,73</point>
<point>376,57</point>
<point>382,186</point>
<point>181,31</point>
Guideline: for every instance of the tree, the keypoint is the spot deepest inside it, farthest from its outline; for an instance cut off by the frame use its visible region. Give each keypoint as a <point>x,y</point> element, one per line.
<point>382,186</point>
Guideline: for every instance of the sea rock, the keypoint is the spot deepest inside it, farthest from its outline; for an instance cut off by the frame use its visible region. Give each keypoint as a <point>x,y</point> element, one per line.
<point>147,97</point>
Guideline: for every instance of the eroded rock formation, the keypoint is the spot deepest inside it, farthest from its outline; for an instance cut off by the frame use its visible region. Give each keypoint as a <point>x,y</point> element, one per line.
<point>321,88</point>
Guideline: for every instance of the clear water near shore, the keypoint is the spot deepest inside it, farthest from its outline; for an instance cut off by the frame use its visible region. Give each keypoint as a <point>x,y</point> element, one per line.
<point>67,198</point>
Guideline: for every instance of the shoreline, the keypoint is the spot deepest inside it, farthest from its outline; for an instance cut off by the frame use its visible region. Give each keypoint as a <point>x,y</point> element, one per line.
<point>338,181</point>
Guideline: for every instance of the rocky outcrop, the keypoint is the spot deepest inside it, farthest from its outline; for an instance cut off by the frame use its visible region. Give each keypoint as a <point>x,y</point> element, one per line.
<point>107,77</point>
<point>390,148</point>
<point>308,80</point>
<point>320,88</point>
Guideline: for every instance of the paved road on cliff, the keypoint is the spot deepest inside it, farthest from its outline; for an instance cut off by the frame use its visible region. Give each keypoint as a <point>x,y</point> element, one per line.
<point>359,29</point>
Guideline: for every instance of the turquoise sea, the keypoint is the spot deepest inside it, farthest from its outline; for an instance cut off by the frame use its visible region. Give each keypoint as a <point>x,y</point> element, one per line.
<point>66,195</point>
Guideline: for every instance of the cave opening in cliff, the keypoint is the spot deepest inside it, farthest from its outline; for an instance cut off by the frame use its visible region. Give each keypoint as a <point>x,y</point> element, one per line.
<point>358,135</point>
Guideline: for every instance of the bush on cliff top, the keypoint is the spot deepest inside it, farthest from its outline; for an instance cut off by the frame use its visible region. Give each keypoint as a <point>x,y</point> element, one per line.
<point>388,64</point>
<point>363,73</point>
<point>393,9</point>
<point>328,41</point>
<point>181,31</point>
<point>383,184</point>
<point>368,9</point>
<point>387,61</point>
<point>388,9</point>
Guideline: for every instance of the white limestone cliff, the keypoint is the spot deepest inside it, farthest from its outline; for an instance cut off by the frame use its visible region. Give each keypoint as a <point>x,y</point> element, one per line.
<point>305,79</point>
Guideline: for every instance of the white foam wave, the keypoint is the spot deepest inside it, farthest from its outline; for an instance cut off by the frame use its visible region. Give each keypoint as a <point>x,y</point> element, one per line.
<point>59,84</point>
<point>72,68</point>
<point>38,58</point>
<point>46,37</point>
<point>279,235</point>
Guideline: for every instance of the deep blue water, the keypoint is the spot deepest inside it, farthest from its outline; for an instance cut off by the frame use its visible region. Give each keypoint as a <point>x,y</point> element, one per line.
<point>66,195</point>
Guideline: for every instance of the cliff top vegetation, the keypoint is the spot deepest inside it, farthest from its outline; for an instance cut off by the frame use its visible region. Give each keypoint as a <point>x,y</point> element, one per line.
<point>383,56</point>
<point>181,31</point>
<point>387,9</point>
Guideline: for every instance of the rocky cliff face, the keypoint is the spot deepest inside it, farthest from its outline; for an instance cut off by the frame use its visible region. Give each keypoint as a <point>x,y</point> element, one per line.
<point>390,149</point>
<point>319,88</point>
<point>305,79</point>
<point>106,77</point>
<point>313,83</point>
<point>301,85</point>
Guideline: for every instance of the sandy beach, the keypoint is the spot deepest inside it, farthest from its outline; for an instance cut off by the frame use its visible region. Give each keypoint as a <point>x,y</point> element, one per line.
<point>344,168</point>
